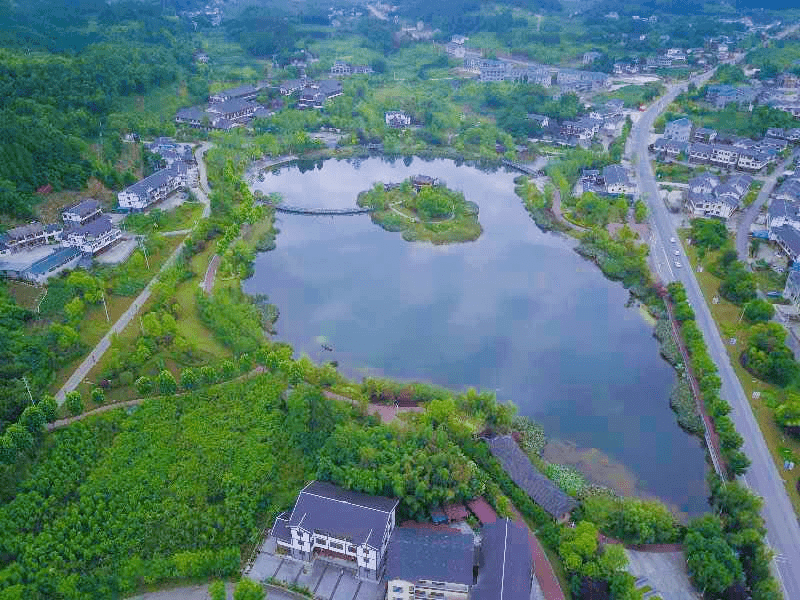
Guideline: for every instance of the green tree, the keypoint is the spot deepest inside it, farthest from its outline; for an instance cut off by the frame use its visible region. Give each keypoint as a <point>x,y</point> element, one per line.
<point>208,375</point>
<point>49,407</point>
<point>227,370</point>
<point>98,395</point>
<point>20,437</point>
<point>217,590</point>
<point>712,563</point>
<point>33,419</point>
<point>640,211</point>
<point>144,385</point>
<point>189,379</point>
<point>247,589</point>
<point>166,382</point>
<point>758,310</point>
<point>74,402</point>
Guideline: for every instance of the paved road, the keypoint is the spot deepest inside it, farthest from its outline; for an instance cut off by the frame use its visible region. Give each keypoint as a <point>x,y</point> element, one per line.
<point>783,531</point>
<point>97,352</point>
<point>202,190</point>
<point>743,232</point>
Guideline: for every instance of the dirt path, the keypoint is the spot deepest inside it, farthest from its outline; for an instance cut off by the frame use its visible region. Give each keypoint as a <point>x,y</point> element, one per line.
<point>211,273</point>
<point>386,413</point>
<point>100,409</point>
<point>559,215</point>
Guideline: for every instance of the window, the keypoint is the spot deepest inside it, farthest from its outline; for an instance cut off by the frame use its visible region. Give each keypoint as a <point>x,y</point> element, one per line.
<point>397,589</point>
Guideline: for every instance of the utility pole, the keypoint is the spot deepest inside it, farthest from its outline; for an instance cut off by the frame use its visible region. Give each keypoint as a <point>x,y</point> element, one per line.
<point>27,387</point>
<point>105,306</point>
<point>144,250</point>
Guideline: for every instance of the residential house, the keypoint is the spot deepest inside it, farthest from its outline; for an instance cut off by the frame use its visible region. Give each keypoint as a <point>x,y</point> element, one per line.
<point>788,238</point>
<point>291,86</point>
<point>397,119</point>
<point>679,130</point>
<point>541,120</point>
<point>791,290</point>
<point>430,564</point>
<point>316,93</point>
<point>342,68</point>
<point>93,237</point>
<point>29,236</point>
<point>790,106</point>
<point>703,184</point>
<point>330,521</point>
<point>788,80</point>
<point>669,148</point>
<point>235,110</point>
<point>53,263</point>
<point>788,190</point>
<point>455,47</point>
<point>791,135</point>
<point>492,70</point>
<point>724,155</point>
<point>707,197</point>
<point>590,57</point>
<point>154,188</point>
<point>704,135</point>
<point>752,160</point>
<point>83,212</point>
<point>200,118</point>
<point>584,128</point>
<point>243,92</point>
<point>783,212</point>
<point>617,180</point>
<point>505,570</point>
<point>542,491</point>
<point>769,142</point>
<point>699,152</point>
<point>722,95</point>
<point>609,111</point>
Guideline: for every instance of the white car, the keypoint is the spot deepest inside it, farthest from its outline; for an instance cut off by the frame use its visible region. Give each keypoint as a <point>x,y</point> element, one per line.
<point>672,239</point>
<point>677,253</point>
<point>677,264</point>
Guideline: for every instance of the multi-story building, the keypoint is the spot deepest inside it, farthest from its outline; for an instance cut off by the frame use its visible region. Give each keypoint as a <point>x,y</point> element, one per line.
<point>397,119</point>
<point>505,570</point>
<point>329,521</point>
<point>429,564</point>
<point>724,155</point>
<point>679,130</point>
<point>28,236</point>
<point>154,188</point>
<point>93,237</point>
<point>243,92</point>
<point>83,212</point>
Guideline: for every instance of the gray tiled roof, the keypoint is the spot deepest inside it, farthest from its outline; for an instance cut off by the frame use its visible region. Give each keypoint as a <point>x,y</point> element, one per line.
<point>194,113</point>
<point>231,106</point>
<point>353,516</point>
<point>238,92</point>
<point>84,208</point>
<point>615,174</point>
<point>280,529</point>
<point>94,228</point>
<point>518,466</point>
<point>155,180</point>
<point>790,238</point>
<point>416,553</point>
<point>506,563</point>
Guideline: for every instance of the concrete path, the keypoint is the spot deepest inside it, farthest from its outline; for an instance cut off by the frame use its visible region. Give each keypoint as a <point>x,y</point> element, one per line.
<point>763,477</point>
<point>100,409</point>
<point>202,190</point>
<point>211,273</point>
<point>743,231</point>
<point>97,352</point>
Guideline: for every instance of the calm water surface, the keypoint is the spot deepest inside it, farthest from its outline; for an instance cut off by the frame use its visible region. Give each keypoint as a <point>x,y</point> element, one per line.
<point>518,312</point>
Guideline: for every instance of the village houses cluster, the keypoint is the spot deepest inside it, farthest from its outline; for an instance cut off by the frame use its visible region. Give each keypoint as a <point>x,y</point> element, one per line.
<point>446,559</point>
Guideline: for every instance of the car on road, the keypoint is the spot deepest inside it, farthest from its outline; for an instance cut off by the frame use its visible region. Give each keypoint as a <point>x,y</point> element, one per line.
<point>672,239</point>
<point>677,264</point>
<point>677,253</point>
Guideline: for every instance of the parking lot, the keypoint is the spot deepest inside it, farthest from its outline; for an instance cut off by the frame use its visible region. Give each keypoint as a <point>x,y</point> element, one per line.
<point>326,580</point>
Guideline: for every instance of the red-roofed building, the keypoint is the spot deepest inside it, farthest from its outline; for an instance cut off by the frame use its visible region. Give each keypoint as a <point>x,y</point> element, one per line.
<point>456,512</point>
<point>483,511</point>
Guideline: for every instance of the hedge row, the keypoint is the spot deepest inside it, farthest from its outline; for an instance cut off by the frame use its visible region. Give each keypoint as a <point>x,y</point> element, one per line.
<point>705,371</point>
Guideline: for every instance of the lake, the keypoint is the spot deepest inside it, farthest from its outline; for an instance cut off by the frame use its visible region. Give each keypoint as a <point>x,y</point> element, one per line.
<point>517,312</point>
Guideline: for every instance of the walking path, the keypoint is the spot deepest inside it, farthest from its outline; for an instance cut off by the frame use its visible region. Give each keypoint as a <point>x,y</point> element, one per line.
<point>559,215</point>
<point>97,352</point>
<point>211,273</point>
<point>100,409</point>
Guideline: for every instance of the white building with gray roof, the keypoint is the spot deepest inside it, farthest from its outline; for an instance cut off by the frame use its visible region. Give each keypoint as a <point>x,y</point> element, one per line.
<point>154,188</point>
<point>330,521</point>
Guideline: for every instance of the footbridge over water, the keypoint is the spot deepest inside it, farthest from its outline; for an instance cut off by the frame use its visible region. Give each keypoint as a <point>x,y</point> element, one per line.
<point>301,210</point>
<point>520,167</point>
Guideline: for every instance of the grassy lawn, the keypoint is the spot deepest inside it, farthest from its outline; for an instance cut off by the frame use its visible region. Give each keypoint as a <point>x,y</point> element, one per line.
<point>726,316</point>
<point>25,294</point>
<point>176,219</point>
<point>676,172</point>
<point>94,324</point>
<point>751,196</point>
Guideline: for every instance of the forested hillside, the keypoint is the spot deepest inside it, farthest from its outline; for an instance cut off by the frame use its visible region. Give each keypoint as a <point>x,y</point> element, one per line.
<point>62,65</point>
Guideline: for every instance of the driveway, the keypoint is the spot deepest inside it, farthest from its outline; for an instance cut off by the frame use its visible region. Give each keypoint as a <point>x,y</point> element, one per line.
<point>664,572</point>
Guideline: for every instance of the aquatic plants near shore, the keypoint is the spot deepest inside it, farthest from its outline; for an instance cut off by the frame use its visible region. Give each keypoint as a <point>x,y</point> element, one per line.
<point>423,210</point>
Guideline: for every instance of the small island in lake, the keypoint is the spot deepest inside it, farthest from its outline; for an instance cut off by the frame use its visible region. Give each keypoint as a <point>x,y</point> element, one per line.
<point>424,210</point>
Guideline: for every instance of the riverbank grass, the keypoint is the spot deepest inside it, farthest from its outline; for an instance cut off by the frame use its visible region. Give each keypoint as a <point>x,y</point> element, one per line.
<point>423,210</point>
<point>726,316</point>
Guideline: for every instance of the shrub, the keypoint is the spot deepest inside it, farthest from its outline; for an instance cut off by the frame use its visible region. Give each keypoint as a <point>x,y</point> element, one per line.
<point>189,379</point>
<point>74,403</point>
<point>98,395</point>
<point>167,383</point>
<point>144,385</point>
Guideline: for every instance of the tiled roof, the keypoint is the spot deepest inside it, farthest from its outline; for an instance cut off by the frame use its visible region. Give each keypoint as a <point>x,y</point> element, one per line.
<point>356,517</point>
<point>415,554</point>
<point>506,563</point>
<point>790,238</point>
<point>518,466</point>
<point>84,208</point>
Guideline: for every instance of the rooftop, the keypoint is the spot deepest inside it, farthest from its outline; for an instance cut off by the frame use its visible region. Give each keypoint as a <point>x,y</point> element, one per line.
<point>353,516</point>
<point>415,554</point>
<point>790,238</point>
<point>506,563</point>
<point>518,466</point>
<point>84,208</point>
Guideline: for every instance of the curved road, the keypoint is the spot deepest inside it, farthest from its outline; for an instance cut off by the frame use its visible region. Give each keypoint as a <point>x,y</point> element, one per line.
<point>105,343</point>
<point>783,531</point>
